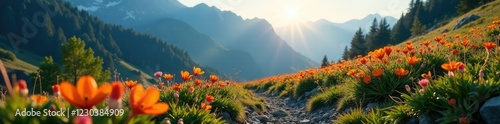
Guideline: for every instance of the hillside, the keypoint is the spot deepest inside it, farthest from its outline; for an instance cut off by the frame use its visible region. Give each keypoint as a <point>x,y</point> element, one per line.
<point>437,77</point>
<point>120,48</point>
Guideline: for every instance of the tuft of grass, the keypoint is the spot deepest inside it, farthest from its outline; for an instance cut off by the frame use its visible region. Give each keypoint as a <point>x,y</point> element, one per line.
<point>305,86</point>
<point>356,116</point>
<point>328,97</point>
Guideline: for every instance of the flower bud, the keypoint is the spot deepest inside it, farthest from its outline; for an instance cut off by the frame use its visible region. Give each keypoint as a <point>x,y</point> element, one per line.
<point>407,87</point>
<point>115,101</point>
<point>23,87</point>
<point>82,120</point>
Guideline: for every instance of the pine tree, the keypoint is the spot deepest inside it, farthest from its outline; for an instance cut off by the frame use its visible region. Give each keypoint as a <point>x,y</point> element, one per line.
<point>399,31</point>
<point>325,62</point>
<point>345,54</point>
<point>358,44</point>
<point>370,37</point>
<point>49,72</point>
<point>78,61</point>
<point>417,28</point>
<point>383,35</point>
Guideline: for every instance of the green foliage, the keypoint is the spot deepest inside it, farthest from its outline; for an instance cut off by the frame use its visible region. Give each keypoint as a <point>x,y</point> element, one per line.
<point>78,61</point>
<point>328,97</point>
<point>7,55</point>
<point>325,62</point>
<point>399,114</point>
<point>306,85</point>
<point>50,72</point>
<point>192,115</point>
<point>355,116</point>
<point>358,44</point>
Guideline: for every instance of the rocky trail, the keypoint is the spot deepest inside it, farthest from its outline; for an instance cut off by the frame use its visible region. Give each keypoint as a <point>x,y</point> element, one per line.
<point>289,111</point>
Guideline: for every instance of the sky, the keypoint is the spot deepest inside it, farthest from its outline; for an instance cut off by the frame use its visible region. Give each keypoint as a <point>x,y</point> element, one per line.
<point>284,12</point>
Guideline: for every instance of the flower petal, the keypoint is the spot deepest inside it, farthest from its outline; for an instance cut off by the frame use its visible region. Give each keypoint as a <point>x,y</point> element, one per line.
<point>150,97</point>
<point>69,93</point>
<point>136,94</point>
<point>156,109</point>
<point>99,95</point>
<point>86,87</point>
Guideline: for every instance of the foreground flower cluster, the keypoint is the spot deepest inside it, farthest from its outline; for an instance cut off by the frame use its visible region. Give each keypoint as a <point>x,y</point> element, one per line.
<point>418,77</point>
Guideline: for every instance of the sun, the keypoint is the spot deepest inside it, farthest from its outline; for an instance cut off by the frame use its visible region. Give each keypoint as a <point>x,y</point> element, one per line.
<point>292,13</point>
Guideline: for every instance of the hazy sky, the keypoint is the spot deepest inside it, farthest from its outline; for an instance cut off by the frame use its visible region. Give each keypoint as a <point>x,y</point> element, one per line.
<point>281,12</point>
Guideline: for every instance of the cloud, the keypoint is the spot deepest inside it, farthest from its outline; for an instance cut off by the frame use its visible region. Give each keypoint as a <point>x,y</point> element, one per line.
<point>110,4</point>
<point>90,8</point>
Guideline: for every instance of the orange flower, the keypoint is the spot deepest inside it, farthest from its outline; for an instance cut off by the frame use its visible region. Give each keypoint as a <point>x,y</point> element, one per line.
<point>38,99</point>
<point>185,76</point>
<point>363,60</point>
<point>388,50</point>
<point>438,39</point>
<point>410,47</point>
<point>176,87</point>
<point>405,51</point>
<point>209,99</point>
<point>205,106</point>
<point>457,36</point>
<point>451,66</point>
<point>401,72</point>
<point>221,84</point>
<point>455,51</point>
<point>117,90</point>
<point>360,74</point>
<point>197,82</point>
<point>489,45</point>
<point>463,120</point>
<point>412,60</point>
<point>191,89</point>
<point>146,102</point>
<point>367,79</point>
<point>130,83</point>
<point>56,90</point>
<point>465,43</point>
<point>426,43</point>
<point>379,53</point>
<point>197,71</point>
<point>86,93</point>
<point>378,72</point>
<point>213,78</point>
<point>427,75</point>
<point>22,87</point>
<point>352,72</point>
<point>168,76</point>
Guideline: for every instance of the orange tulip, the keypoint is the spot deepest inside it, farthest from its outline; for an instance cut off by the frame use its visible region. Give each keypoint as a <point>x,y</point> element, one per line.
<point>176,87</point>
<point>426,43</point>
<point>352,72</point>
<point>367,79</point>
<point>185,76</point>
<point>38,99</point>
<point>489,45</point>
<point>388,50</point>
<point>379,53</point>
<point>412,60</point>
<point>213,78</point>
<point>115,101</point>
<point>86,94</point>
<point>401,72</point>
<point>197,82</point>
<point>209,99</point>
<point>130,83</point>
<point>168,76</point>
<point>451,66</point>
<point>377,72</point>
<point>197,71</point>
<point>438,38</point>
<point>146,102</point>
<point>205,106</point>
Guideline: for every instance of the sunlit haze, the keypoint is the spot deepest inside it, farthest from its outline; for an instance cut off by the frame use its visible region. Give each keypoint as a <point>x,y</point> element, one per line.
<point>284,12</point>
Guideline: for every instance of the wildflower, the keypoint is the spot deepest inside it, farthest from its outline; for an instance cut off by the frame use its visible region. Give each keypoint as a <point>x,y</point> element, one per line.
<point>388,50</point>
<point>427,75</point>
<point>379,53</point>
<point>191,89</point>
<point>130,83</point>
<point>115,101</point>
<point>168,76</point>
<point>38,99</point>
<point>451,66</point>
<point>162,84</point>
<point>158,74</point>
<point>426,43</point>
<point>465,43</point>
<point>363,60</point>
<point>461,68</point>
<point>82,120</point>
<point>424,83</point>
<point>22,87</point>
<point>438,38</point>
<point>401,72</point>
<point>197,71</point>
<point>185,76</point>
<point>209,99</point>
<point>213,78</point>
<point>457,36</point>
<point>412,60</point>
<point>452,102</point>
<point>56,90</point>
<point>197,82</point>
<point>463,120</point>
<point>455,52</point>
<point>221,84</point>
<point>407,87</point>
<point>351,72</point>
<point>377,72</point>
<point>360,74</point>
<point>176,87</point>
<point>146,102</point>
<point>205,106</point>
<point>405,51</point>
<point>86,94</point>
<point>489,45</point>
<point>367,79</point>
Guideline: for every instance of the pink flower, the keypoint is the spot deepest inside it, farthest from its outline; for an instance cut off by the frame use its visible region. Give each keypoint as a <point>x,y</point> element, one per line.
<point>82,120</point>
<point>158,74</point>
<point>461,68</point>
<point>407,87</point>
<point>424,83</point>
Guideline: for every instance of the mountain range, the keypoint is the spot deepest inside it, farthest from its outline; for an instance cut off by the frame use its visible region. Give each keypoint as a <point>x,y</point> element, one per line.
<point>322,37</point>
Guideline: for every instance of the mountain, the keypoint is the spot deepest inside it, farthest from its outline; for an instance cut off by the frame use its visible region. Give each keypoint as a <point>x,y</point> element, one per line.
<point>322,37</point>
<point>365,23</point>
<point>255,36</point>
<point>204,49</point>
<point>129,12</point>
<point>135,55</point>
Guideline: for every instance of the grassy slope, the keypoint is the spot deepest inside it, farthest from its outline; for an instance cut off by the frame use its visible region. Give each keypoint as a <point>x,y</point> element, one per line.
<point>487,13</point>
